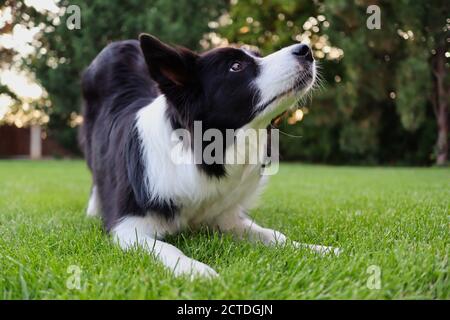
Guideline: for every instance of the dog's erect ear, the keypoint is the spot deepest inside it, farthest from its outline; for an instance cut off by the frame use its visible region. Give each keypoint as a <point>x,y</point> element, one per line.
<point>167,65</point>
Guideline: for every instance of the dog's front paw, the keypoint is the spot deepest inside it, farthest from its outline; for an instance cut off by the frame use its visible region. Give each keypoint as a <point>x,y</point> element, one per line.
<point>322,250</point>
<point>194,269</point>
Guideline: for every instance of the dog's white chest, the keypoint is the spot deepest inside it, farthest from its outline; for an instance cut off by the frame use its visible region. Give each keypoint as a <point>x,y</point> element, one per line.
<point>216,197</point>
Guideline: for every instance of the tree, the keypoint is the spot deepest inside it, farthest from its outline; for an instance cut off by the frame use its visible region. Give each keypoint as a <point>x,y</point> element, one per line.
<point>22,100</point>
<point>428,25</point>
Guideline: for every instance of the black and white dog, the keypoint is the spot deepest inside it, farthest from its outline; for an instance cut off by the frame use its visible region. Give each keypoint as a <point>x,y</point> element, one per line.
<point>136,94</point>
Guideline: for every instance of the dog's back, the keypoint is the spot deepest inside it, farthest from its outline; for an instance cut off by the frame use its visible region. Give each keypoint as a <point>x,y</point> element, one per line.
<point>115,77</point>
<point>115,86</point>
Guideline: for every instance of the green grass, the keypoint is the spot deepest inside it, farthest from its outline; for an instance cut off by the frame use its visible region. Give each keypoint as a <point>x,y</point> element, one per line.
<point>394,218</point>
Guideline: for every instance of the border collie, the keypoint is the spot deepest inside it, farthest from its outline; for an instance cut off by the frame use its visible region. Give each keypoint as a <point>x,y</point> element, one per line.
<point>136,94</point>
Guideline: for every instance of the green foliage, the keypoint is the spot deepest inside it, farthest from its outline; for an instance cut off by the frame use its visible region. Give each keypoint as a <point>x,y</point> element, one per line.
<point>268,25</point>
<point>413,81</point>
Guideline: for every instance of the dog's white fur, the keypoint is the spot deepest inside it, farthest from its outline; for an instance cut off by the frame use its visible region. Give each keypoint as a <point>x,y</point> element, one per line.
<point>93,208</point>
<point>218,203</point>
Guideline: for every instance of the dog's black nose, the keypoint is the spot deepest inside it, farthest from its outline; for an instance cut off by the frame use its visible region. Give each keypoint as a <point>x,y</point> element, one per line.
<point>303,51</point>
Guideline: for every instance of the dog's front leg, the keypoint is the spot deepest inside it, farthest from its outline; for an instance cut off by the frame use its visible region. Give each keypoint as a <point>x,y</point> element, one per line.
<point>243,227</point>
<point>137,231</point>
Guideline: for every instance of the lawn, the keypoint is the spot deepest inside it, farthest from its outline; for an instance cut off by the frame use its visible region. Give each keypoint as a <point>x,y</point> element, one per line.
<point>393,224</point>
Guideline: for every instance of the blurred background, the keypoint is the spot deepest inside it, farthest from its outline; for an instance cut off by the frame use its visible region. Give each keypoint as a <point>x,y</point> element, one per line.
<point>384,92</point>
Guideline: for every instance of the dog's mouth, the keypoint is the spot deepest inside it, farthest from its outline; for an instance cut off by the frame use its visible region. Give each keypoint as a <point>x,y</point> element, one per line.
<point>304,82</point>
<point>302,85</point>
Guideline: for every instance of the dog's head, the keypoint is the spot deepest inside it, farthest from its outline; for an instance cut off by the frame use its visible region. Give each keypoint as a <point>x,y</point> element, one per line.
<point>228,87</point>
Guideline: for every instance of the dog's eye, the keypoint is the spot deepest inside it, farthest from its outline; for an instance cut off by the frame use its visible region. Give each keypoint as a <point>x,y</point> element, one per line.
<point>236,67</point>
